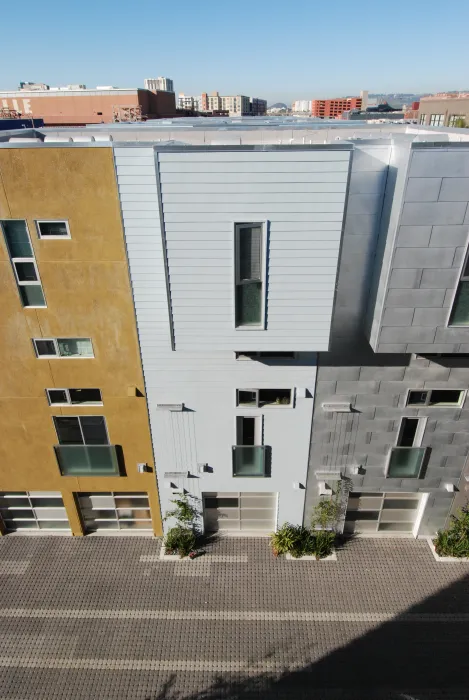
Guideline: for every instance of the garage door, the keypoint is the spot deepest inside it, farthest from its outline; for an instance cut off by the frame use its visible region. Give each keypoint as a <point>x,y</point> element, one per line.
<point>381,513</point>
<point>33,510</point>
<point>243,513</point>
<point>104,512</point>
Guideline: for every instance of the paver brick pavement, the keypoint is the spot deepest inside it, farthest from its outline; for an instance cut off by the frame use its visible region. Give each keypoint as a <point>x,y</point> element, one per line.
<point>104,618</point>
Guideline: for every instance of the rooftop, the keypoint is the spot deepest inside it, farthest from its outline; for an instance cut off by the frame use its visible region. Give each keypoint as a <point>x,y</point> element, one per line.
<point>235,131</point>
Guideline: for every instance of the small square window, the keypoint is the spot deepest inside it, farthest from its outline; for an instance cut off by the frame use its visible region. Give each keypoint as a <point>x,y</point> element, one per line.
<point>26,271</point>
<point>417,398</point>
<point>247,398</point>
<point>53,229</point>
<point>75,347</point>
<point>32,295</point>
<point>57,396</point>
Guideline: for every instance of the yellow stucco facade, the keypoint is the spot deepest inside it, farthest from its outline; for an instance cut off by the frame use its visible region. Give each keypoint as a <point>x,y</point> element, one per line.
<point>87,289</point>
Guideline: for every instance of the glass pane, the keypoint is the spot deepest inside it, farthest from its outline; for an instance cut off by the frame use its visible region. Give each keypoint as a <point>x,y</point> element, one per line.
<point>408,431</point>
<point>249,304</point>
<point>26,271</point>
<point>248,461</point>
<point>85,395</point>
<point>68,430</point>
<point>129,502</point>
<point>444,397</point>
<point>274,397</point>
<point>246,431</point>
<point>21,525</point>
<point>362,515</point>
<point>247,398</point>
<point>133,514</point>
<point>221,503</point>
<point>136,524</point>
<point>93,460</point>
<point>19,502</point>
<point>47,502</point>
<point>460,314</point>
<point>406,462</point>
<point>54,525</point>
<point>75,347</point>
<point>417,398</point>
<point>94,430</point>
<point>17,239</point>
<point>57,396</point>
<point>90,515</point>
<point>250,253</point>
<point>45,347</point>
<point>32,295</point>
<point>53,228</point>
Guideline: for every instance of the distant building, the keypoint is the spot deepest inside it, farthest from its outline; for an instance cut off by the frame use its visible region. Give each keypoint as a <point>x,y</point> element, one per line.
<point>189,102</point>
<point>70,107</point>
<point>33,86</point>
<point>333,108</point>
<point>164,84</point>
<point>444,109</point>
<point>235,105</point>
<point>302,106</point>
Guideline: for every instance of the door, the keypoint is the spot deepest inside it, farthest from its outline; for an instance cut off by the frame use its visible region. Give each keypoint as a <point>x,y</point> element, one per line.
<point>381,513</point>
<point>240,513</point>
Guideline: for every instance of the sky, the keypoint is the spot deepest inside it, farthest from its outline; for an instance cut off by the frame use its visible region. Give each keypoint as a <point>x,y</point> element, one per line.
<point>274,49</point>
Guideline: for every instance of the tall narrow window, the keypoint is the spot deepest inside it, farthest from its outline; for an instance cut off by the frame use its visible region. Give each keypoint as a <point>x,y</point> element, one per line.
<point>407,457</point>
<point>460,311</point>
<point>249,453</point>
<point>249,305</point>
<point>23,262</point>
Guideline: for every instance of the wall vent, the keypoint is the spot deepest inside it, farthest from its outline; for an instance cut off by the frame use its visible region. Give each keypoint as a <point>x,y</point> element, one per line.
<point>170,406</point>
<point>331,407</point>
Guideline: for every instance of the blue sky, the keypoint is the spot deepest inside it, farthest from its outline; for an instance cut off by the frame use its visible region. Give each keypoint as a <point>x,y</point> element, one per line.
<point>275,49</point>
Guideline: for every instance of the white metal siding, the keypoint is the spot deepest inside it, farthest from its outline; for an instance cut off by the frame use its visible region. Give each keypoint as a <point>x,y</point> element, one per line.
<point>204,194</point>
<point>136,179</point>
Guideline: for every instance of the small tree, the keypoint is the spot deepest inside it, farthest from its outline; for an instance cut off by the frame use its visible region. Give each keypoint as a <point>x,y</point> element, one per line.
<point>182,538</point>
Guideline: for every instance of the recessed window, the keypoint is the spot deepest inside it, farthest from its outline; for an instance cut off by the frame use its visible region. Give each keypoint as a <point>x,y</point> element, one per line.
<point>249,453</point>
<point>74,396</point>
<point>422,118</point>
<point>81,430</point>
<point>53,229</point>
<point>460,311</point>
<point>436,397</point>
<point>63,347</point>
<point>437,119</point>
<point>406,459</point>
<point>249,287</point>
<point>265,355</point>
<point>255,398</point>
<point>24,263</point>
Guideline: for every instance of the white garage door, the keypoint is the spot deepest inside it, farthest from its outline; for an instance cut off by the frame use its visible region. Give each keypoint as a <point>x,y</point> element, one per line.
<point>243,513</point>
<point>381,513</point>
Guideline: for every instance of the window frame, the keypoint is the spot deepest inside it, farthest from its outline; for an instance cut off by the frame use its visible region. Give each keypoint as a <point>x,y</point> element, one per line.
<point>83,444</point>
<point>433,119</point>
<point>417,444</point>
<point>58,355</point>
<point>237,226</point>
<point>452,118</point>
<point>260,405</point>
<point>69,401</point>
<point>462,278</point>
<point>428,404</point>
<point>422,120</point>
<point>52,221</point>
<point>21,259</point>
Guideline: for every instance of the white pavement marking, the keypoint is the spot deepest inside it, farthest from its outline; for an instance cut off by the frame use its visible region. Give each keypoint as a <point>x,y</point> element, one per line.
<point>223,558</point>
<point>230,615</point>
<point>13,567</point>
<point>148,664</point>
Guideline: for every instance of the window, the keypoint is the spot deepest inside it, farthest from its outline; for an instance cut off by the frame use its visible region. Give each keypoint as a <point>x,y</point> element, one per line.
<point>24,263</point>
<point>74,396</point>
<point>422,118</point>
<point>255,398</point>
<point>114,511</point>
<point>265,355</point>
<point>249,294</point>
<point>33,510</point>
<point>457,120</point>
<point>53,229</point>
<point>437,119</point>
<point>249,453</point>
<point>81,430</point>
<point>460,310</point>
<point>436,397</point>
<point>63,347</point>
<point>406,459</point>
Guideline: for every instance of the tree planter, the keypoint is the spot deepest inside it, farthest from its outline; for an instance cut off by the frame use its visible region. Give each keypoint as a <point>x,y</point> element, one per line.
<point>331,557</point>
<point>175,557</point>
<point>449,560</point>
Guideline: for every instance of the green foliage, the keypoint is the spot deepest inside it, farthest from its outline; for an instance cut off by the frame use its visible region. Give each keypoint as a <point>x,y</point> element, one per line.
<point>454,541</point>
<point>184,511</point>
<point>300,541</point>
<point>180,539</point>
<point>460,123</point>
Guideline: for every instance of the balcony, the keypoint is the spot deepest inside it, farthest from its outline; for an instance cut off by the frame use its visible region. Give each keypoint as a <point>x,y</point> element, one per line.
<point>87,460</point>
<point>406,462</point>
<point>249,460</point>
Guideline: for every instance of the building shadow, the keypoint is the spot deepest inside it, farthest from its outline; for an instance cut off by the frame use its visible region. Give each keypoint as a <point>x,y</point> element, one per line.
<point>421,654</point>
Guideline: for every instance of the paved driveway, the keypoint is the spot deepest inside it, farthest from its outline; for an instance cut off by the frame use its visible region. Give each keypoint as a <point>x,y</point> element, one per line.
<point>103,618</point>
